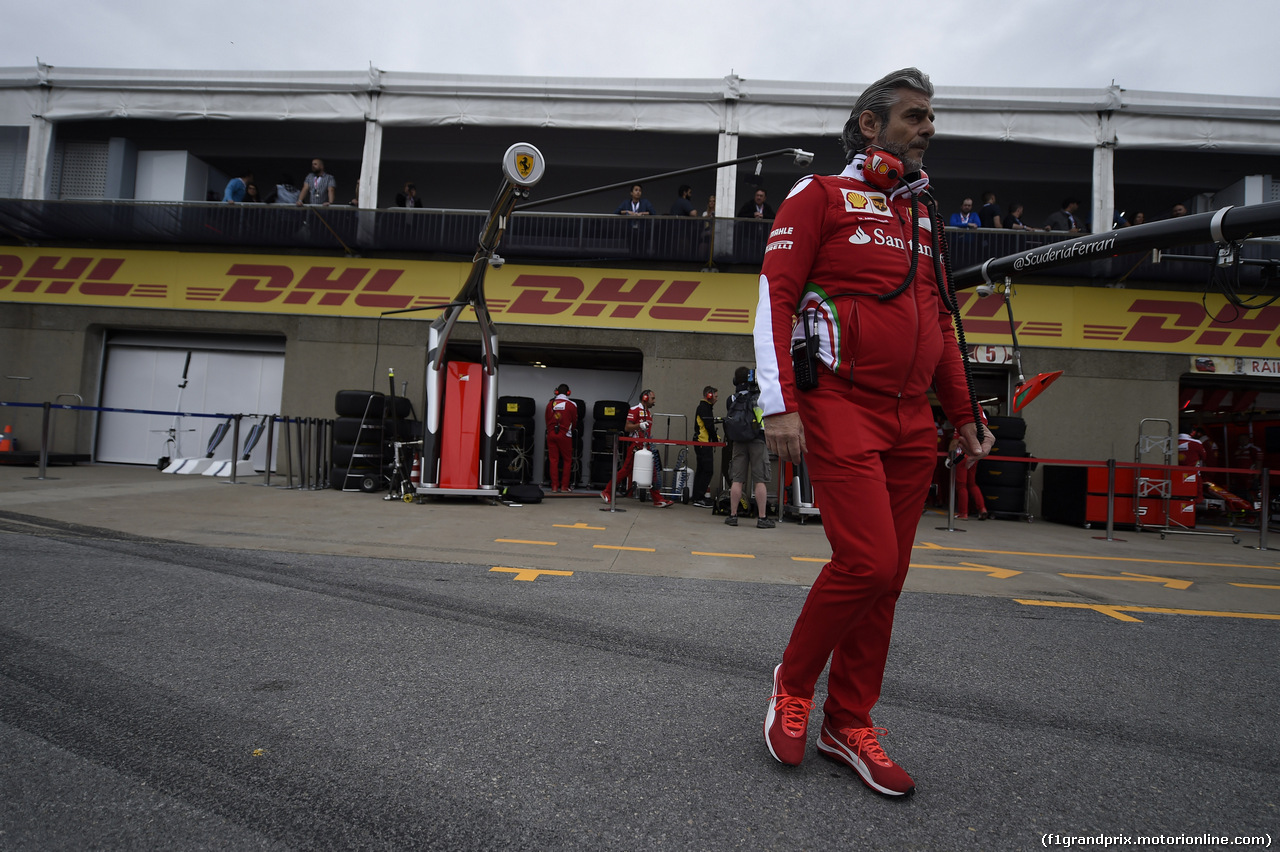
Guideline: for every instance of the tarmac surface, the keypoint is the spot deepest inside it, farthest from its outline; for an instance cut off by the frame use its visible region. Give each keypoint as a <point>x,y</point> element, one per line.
<point>187,663</point>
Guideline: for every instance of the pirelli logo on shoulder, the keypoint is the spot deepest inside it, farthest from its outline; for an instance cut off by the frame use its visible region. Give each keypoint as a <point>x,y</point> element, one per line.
<point>866,203</point>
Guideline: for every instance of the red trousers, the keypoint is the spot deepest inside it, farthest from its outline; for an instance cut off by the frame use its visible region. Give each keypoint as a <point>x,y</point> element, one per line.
<point>871,459</point>
<point>560,453</point>
<point>967,489</point>
<point>625,472</point>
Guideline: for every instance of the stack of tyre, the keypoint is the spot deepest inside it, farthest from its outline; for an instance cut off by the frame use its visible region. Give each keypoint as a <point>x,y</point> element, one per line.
<point>364,431</point>
<point>359,451</point>
<point>608,416</point>
<point>516,432</point>
<point>575,476</point>
<point>1003,482</point>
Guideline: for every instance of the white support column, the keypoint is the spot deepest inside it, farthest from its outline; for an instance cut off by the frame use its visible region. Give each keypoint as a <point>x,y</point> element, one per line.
<point>372,160</point>
<point>35,176</point>
<point>1103,206</point>
<point>370,163</point>
<point>1104,188</point>
<point>727,176</point>
<point>727,149</point>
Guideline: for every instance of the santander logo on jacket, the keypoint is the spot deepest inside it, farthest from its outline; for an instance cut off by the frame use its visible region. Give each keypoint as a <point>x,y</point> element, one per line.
<point>837,244</point>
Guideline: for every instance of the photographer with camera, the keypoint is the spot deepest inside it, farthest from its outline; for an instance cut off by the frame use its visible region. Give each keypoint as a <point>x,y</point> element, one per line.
<point>750,455</point>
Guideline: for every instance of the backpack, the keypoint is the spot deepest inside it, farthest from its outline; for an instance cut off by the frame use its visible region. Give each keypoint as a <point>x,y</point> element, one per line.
<point>740,423</point>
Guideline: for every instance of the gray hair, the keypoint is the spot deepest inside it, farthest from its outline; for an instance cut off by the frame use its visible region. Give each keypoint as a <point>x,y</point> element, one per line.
<point>880,97</point>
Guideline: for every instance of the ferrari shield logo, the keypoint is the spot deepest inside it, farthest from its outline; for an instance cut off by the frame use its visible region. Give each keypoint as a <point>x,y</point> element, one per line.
<point>524,165</point>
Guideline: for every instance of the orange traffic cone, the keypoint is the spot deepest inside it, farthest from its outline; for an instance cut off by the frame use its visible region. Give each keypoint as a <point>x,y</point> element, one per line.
<point>415,472</point>
<point>7,443</point>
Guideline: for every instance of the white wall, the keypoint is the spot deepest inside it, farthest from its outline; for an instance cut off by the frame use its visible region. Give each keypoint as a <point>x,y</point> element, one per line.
<point>171,176</point>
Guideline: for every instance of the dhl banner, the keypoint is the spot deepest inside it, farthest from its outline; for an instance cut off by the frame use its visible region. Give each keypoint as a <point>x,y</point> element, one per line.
<point>1048,316</point>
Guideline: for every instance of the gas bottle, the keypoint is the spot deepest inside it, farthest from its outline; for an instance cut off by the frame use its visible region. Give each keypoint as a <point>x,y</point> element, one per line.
<point>642,469</point>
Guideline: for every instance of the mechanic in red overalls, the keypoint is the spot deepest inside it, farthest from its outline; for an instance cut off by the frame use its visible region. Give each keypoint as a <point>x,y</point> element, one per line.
<point>854,257</point>
<point>966,484</point>
<point>561,417</point>
<point>639,424</point>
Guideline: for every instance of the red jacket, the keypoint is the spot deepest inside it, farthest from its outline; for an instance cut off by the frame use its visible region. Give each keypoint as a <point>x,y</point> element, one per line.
<point>836,236</point>
<point>567,411</point>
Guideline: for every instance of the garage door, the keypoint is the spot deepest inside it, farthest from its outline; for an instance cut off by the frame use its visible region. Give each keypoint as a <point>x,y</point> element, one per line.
<point>223,374</point>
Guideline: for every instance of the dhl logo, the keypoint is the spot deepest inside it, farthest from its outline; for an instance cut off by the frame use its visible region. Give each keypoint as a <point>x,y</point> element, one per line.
<point>616,298</point>
<point>90,276</point>
<point>261,283</point>
<point>1161,322</point>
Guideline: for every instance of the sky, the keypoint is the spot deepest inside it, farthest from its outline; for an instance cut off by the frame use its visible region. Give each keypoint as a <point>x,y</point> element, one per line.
<point>1215,47</point>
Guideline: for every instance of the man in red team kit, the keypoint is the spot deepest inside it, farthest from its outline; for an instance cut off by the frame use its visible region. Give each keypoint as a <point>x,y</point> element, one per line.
<point>561,417</point>
<point>856,258</point>
<point>639,424</point>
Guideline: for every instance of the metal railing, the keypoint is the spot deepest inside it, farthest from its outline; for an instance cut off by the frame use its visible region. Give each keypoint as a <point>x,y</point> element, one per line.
<point>533,235</point>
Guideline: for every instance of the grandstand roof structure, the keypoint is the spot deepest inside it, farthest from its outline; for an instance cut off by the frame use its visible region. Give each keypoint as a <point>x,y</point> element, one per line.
<point>1106,145</point>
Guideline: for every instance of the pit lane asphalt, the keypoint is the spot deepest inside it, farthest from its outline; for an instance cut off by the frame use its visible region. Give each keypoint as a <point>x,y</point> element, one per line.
<point>190,664</point>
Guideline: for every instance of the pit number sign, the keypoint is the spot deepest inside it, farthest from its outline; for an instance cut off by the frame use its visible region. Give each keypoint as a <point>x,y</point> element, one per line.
<point>987,354</point>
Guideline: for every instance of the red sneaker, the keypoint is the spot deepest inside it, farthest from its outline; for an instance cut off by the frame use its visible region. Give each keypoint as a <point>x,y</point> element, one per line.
<point>786,723</point>
<point>859,748</point>
<point>662,504</point>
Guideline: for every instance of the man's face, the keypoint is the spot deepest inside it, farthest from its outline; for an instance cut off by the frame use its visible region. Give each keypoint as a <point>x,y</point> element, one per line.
<point>907,132</point>
<point>1179,210</point>
<point>760,196</point>
<point>966,205</point>
<point>636,192</point>
<point>317,166</point>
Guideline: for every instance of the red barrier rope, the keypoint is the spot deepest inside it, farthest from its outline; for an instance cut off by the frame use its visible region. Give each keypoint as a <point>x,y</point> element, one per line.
<point>1119,464</point>
<point>672,441</point>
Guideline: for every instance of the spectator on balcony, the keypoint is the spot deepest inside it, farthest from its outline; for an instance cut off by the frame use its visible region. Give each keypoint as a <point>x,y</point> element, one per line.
<point>251,194</point>
<point>285,192</point>
<point>636,204</point>
<point>757,208</point>
<point>750,237</point>
<point>966,218</point>
<point>408,197</point>
<point>683,205</point>
<point>1139,218</point>
<point>1178,211</point>
<point>319,186</point>
<point>235,191</point>
<point>1014,219</point>
<point>989,213</point>
<point>1065,219</point>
